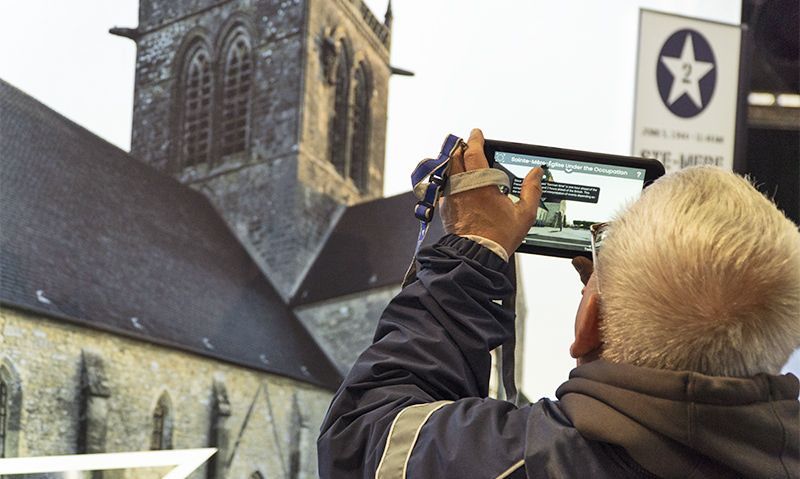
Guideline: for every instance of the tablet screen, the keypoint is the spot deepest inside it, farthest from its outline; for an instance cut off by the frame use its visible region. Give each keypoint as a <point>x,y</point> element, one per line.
<point>575,194</point>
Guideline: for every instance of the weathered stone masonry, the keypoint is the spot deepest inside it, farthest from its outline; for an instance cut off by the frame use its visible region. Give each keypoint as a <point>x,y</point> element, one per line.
<point>122,398</point>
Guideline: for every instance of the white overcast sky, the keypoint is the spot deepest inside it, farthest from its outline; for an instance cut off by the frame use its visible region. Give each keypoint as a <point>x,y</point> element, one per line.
<point>558,73</point>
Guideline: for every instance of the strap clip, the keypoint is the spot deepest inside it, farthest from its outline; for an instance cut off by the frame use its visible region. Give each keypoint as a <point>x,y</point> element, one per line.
<point>423,211</point>
<point>438,180</point>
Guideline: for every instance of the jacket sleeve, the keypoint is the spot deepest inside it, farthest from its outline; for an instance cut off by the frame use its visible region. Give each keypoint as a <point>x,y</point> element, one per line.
<point>414,404</point>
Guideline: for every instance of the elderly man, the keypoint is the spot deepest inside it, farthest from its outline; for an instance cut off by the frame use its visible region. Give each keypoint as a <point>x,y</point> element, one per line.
<point>693,307</point>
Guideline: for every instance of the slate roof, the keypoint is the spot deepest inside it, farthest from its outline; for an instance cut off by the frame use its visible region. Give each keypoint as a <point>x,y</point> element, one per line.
<point>90,235</point>
<point>370,247</point>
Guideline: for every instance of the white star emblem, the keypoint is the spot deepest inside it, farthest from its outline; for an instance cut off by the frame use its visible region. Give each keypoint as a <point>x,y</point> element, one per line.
<point>686,72</point>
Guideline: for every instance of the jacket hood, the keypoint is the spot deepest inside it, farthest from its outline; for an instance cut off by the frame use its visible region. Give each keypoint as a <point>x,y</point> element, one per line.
<point>685,424</point>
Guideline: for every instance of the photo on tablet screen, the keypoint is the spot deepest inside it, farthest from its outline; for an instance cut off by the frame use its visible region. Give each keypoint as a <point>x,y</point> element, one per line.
<point>575,194</point>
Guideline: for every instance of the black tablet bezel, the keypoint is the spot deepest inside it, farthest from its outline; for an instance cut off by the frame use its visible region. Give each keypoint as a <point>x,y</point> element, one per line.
<point>653,170</point>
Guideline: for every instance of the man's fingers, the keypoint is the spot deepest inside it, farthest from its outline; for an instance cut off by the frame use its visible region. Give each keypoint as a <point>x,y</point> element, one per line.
<point>474,158</point>
<point>584,267</point>
<point>457,162</point>
<point>531,192</point>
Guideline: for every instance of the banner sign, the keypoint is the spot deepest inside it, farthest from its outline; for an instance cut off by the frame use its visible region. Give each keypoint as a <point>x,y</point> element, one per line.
<point>687,91</point>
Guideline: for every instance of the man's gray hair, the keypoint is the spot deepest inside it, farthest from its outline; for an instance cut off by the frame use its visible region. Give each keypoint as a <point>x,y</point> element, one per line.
<point>702,273</point>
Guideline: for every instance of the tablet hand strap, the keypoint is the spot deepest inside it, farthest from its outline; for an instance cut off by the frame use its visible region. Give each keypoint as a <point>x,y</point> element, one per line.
<point>469,180</point>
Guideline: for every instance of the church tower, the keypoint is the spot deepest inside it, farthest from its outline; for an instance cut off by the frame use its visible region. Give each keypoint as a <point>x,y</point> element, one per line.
<point>274,109</point>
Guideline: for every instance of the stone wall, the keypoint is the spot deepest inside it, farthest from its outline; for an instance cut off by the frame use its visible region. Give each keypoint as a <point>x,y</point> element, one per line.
<point>47,358</point>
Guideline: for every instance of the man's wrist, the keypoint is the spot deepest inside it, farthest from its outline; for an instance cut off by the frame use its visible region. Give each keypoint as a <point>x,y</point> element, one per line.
<point>491,245</point>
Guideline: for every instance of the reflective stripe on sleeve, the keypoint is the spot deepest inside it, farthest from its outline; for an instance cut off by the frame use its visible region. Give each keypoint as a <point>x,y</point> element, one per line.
<point>511,469</point>
<point>402,437</point>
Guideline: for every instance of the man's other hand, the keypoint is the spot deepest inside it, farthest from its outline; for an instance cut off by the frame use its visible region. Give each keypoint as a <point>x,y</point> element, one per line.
<point>584,267</point>
<point>486,211</point>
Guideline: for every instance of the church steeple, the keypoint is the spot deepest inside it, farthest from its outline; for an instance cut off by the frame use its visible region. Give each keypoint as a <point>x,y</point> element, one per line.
<point>239,100</point>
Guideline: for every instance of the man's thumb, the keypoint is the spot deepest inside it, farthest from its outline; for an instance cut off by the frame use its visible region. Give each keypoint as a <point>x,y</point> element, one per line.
<point>531,191</point>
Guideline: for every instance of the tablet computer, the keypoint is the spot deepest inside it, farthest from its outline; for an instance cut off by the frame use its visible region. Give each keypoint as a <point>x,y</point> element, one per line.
<point>579,188</point>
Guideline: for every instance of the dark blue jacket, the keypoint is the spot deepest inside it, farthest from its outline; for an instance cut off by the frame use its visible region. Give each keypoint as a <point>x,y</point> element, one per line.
<point>415,403</point>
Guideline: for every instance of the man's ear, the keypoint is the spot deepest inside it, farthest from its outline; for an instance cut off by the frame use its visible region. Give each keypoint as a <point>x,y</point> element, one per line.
<point>587,327</point>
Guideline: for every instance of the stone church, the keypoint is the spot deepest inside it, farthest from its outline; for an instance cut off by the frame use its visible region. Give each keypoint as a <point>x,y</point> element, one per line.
<point>210,287</point>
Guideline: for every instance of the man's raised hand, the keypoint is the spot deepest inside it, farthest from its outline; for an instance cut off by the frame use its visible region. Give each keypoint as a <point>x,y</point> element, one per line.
<point>486,211</point>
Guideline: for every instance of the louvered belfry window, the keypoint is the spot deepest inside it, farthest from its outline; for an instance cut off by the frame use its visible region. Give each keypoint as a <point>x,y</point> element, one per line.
<point>337,138</point>
<point>196,134</point>
<point>359,143</point>
<point>237,83</point>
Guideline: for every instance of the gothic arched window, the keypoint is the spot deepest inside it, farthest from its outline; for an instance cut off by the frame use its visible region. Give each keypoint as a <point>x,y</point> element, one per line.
<point>337,136</point>
<point>161,437</point>
<point>237,81</point>
<point>197,84</point>
<point>3,415</point>
<point>359,140</point>
<point>10,409</point>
